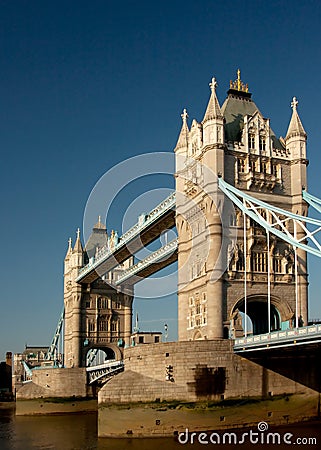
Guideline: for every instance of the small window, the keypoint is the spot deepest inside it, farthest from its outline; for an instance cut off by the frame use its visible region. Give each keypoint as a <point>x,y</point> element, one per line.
<point>259,261</point>
<point>251,141</point>
<point>262,143</point>
<point>241,165</point>
<point>87,304</point>
<point>277,265</point>
<point>156,339</point>
<point>141,339</point>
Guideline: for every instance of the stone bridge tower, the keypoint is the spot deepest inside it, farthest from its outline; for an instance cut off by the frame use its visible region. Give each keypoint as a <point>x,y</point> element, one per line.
<point>235,141</point>
<point>97,316</point>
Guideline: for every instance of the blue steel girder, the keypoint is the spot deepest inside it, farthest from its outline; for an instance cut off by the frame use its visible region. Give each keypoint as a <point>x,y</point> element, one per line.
<point>312,200</point>
<point>53,346</point>
<point>91,357</point>
<point>276,219</point>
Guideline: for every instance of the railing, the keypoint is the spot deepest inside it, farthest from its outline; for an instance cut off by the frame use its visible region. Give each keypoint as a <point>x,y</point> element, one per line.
<point>142,223</point>
<point>104,370</point>
<point>287,337</point>
<point>150,259</point>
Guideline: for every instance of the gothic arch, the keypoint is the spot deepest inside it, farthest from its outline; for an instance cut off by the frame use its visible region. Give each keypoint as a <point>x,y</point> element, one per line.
<point>197,336</point>
<point>257,312</point>
<point>111,350</point>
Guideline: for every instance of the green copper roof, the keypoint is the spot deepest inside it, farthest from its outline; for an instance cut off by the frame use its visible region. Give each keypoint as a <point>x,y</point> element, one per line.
<point>236,106</point>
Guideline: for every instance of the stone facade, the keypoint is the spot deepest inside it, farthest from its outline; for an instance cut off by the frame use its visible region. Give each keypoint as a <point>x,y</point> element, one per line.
<point>236,142</point>
<point>55,383</point>
<point>204,385</point>
<point>192,371</point>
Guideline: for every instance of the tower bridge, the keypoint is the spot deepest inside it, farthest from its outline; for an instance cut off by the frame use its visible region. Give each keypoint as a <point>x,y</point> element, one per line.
<point>253,289</point>
<point>266,277</point>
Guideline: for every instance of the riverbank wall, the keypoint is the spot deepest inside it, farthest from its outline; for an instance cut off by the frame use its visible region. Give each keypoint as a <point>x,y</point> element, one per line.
<point>55,391</point>
<point>210,386</point>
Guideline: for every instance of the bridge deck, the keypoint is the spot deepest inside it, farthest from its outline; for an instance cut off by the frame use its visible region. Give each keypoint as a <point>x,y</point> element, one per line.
<point>295,336</point>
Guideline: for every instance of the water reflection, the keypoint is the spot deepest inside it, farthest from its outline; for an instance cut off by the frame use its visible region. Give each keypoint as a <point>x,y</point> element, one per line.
<point>79,432</point>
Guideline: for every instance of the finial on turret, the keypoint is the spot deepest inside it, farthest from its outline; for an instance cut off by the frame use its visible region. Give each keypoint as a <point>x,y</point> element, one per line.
<point>78,233</point>
<point>238,84</point>
<point>213,84</point>
<point>69,243</point>
<point>294,103</point>
<point>184,115</point>
<point>295,126</point>
<point>99,220</point>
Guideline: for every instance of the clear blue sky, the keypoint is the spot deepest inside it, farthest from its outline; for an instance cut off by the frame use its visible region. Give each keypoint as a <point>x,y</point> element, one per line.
<point>85,85</point>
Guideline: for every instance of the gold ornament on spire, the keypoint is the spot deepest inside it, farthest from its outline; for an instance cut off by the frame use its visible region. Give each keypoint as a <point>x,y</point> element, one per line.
<point>238,84</point>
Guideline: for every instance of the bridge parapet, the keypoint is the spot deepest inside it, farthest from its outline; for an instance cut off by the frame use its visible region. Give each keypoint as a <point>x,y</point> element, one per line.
<point>104,371</point>
<point>294,336</point>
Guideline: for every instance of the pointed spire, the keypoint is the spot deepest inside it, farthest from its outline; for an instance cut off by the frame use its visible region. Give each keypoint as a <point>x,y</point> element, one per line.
<point>78,246</point>
<point>183,136</point>
<point>69,251</point>
<point>295,126</point>
<point>213,110</point>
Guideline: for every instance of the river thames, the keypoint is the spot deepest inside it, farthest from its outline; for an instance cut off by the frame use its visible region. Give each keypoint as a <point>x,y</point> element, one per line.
<point>79,432</point>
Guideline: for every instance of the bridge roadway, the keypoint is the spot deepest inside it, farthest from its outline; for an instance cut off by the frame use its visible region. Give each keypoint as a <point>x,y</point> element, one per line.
<point>146,230</point>
<point>104,371</point>
<point>279,339</point>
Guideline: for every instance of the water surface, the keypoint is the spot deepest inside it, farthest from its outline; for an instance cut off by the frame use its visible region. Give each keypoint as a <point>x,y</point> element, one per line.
<point>79,432</point>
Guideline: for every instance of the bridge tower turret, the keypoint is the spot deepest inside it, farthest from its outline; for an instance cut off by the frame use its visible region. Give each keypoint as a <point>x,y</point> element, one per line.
<point>200,298</point>
<point>235,141</point>
<point>72,301</point>
<point>295,141</point>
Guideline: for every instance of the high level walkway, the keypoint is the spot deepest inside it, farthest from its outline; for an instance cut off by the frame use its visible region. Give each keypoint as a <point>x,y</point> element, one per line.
<point>147,229</point>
